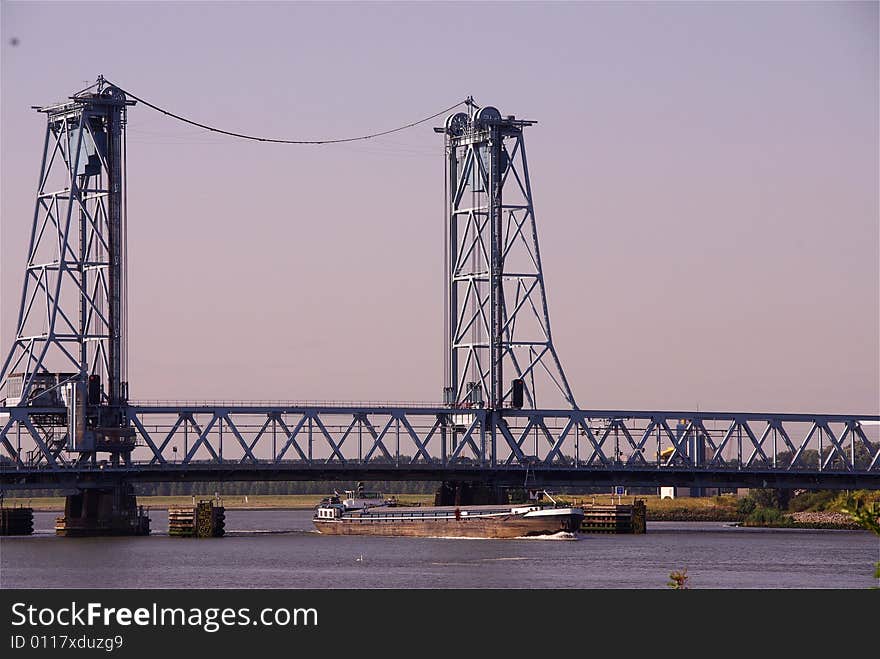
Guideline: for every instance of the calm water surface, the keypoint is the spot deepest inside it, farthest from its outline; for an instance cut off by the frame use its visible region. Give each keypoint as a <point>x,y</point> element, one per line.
<point>280,549</point>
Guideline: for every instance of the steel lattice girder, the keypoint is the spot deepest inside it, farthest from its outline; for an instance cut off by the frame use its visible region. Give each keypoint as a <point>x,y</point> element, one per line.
<point>398,439</point>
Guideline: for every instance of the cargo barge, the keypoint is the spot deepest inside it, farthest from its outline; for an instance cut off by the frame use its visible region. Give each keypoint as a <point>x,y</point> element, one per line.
<point>374,516</point>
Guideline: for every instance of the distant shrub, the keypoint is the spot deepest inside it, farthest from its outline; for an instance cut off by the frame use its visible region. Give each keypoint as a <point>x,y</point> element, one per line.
<point>761,516</point>
<point>771,498</point>
<point>818,501</point>
<point>846,500</point>
<point>746,505</point>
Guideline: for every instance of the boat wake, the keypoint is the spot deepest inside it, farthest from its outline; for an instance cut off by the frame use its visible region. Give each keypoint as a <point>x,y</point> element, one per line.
<point>561,535</point>
<point>507,558</point>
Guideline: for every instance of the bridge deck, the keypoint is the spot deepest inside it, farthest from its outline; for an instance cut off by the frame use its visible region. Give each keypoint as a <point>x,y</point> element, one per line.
<point>393,441</point>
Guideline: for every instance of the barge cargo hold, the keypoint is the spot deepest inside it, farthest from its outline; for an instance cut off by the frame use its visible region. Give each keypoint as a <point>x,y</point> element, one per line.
<point>498,521</point>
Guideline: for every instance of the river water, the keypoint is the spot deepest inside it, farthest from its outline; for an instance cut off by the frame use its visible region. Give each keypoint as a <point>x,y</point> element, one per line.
<point>280,549</point>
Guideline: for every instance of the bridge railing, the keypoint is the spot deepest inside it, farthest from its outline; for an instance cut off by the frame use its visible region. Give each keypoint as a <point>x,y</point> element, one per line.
<point>404,436</point>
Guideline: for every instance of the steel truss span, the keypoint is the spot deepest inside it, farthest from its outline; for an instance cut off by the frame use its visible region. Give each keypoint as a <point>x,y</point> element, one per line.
<point>711,449</point>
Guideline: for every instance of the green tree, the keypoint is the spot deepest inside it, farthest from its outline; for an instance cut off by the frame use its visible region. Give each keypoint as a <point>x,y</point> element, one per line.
<point>746,506</point>
<point>771,498</point>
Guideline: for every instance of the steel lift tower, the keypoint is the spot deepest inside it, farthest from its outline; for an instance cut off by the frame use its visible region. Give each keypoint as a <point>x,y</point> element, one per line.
<point>498,342</point>
<point>69,347</point>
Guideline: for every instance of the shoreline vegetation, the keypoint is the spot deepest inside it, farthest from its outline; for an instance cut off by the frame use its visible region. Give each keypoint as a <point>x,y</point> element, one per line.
<point>810,510</point>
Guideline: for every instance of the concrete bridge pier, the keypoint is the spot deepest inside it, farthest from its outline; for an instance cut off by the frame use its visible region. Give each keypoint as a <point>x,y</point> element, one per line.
<point>103,510</point>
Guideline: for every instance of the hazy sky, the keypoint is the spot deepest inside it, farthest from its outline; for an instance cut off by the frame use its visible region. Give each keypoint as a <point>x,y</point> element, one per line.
<point>705,179</point>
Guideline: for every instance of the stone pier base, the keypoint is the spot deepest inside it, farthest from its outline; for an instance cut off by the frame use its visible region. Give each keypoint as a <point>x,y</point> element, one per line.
<point>103,511</point>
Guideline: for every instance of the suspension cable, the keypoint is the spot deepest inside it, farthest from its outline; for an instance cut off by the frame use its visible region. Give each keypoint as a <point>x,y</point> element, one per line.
<point>283,141</point>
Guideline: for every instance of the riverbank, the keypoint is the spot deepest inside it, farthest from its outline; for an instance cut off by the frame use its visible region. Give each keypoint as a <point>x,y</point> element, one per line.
<point>814,520</point>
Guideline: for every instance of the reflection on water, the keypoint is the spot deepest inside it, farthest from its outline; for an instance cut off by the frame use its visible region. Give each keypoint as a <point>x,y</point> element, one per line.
<point>281,549</point>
